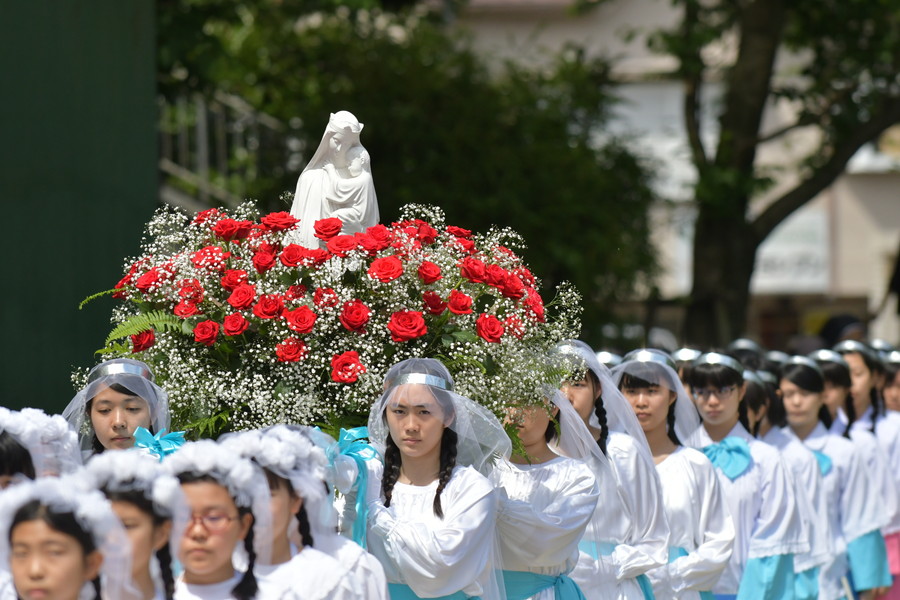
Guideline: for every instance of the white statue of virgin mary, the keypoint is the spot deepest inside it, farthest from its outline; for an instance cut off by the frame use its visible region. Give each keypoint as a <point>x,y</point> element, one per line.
<point>337,182</point>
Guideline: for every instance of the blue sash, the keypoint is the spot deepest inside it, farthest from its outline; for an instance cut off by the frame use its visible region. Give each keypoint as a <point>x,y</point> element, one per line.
<point>597,549</point>
<point>867,555</point>
<point>676,552</point>
<point>523,584</point>
<point>400,591</point>
<point>806,584</point>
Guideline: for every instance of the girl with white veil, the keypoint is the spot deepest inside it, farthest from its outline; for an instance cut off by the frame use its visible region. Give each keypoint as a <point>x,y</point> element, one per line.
<point>546,501</point>
<point>34,444</point>
<point>700,527</point>
<point>432,513</point>
<point>628,535</point>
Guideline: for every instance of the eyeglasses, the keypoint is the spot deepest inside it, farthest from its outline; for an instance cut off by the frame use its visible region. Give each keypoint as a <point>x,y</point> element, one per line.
<point>213,522</point>
<point>722,392</point>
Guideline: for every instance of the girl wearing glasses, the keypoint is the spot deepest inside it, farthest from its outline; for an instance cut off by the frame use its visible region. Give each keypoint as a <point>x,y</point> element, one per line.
<point>854,507</point>
<point>228,498</point>
<point>701,530</point>
<point>755,483</point>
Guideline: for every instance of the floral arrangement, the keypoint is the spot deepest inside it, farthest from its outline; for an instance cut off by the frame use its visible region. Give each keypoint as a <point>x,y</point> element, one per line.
<point>246,329</point>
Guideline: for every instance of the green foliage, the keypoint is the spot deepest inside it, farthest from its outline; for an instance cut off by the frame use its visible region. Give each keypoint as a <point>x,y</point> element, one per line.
<point>516,147</point>
<point>95,296</point>
<point>159,320</point>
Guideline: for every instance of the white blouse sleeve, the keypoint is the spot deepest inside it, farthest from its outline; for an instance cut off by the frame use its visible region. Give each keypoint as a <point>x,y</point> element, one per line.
<point>548,536</point>
<point>778,528</point>
<point>860,510</point>
<point>441,560</point>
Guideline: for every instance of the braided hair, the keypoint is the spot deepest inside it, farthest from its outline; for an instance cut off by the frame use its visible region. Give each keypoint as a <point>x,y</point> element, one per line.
<point>599,410</point>
<point>393,461</point>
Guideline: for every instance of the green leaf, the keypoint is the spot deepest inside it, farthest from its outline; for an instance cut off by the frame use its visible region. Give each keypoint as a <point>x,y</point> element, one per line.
<point>158,320</point>
<point>97,295</point>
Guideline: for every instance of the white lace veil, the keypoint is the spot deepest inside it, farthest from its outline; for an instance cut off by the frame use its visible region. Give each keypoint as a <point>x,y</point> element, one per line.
<point>49,440</point>
<point>243,479</point>
<point>135,376</point>
<point>574,439</point>
<point>481,438</point>
<point>657,367</point>
<point>93,514</point>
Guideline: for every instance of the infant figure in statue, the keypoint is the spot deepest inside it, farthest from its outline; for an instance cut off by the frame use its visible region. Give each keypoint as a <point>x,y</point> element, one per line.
<point>337,182</point>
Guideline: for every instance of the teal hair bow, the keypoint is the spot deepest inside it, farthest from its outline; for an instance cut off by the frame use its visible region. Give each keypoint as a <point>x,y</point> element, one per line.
<point>352,443</point>
<point>158,445</point>
<point>731,456</point>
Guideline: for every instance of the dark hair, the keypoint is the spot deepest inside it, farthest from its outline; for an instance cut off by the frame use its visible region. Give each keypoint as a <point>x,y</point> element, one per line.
<point>392,461</point>
<point>807,378</point>
<point>755,398</point>
<point>719,376</point>
<point>63,522</point>
<point>14,458</point>
<point>875,367</point>
<point>163,555</point>
<point>633,381</point>
<point>599,410</point>
<point>96,446</point>
<point>552,427</point>
<point>278,482</point>
<point>247,587</point>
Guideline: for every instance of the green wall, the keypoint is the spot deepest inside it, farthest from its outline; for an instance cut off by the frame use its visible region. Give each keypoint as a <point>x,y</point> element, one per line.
<point>78,179</point>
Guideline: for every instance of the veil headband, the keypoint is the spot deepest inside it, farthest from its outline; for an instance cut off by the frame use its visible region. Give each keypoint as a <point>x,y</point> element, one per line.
<point>714,358</point>
<point>120,368</point>
<point>425,378</point>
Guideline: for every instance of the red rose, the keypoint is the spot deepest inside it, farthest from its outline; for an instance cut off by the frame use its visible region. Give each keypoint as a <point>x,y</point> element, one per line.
<point>534,304</point>
<point>291,350</point>
<point>386,269</point>
<point>242,296</point>
<point>464,244</point>
<point>459,303</point>
<point>406,325</point>
<point>235,324</point>
<point>263,261</point>
<point>459,231</point>
<point>191,290</point>
<point>143,340</point>
<point>149,280</point>
<point>472,269</point>
<point>325,297</point>
<point>367,243</point>
<point>279,221</point>
<point>233,278</point>
<point>269,306</point>
<point>513,287</point>
<point>354,316</point>
<point>489,328</point>
<point>382,236</point>
<point>211,258</point>
<point>293,255</point>
<point>317,256</point>
<point>342,245</point>
<point>504,252</point>
<point>325,229</point>
<point>204,216</point>
<point>525,275</point>
<point>426,234</point>
<point>514,326</point>
<point>121,287</point>
<point>206,332</point>
<point>229,229</point>
<point>295,292</point>
<point>345,368</point>
<point>185,309</point>
<point>495,275</point>
<point>434,304</point>
<point>300,319</point>
<point>429,272</point>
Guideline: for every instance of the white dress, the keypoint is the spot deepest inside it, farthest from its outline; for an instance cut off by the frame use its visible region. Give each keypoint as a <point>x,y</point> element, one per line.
<point>628,528</point>
<point>853,504</point>
<point>542,515</point>
<point>433,556</point>
<point>762,504</point>
<point>222,591</point>
<point>363,569</point>
<point>809,489</point>
<point>699,523</point>
<point>314,574</point>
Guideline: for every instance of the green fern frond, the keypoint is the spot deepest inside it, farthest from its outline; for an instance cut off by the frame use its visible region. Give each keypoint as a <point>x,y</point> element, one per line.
<point>158,320</point>
<point>114,349</point>
<point>97,295</point>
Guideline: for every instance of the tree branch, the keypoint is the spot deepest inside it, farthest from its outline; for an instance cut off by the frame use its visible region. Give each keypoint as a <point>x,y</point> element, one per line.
<point>693,70</point>
<point>802,122</point>
<point>824,175</point>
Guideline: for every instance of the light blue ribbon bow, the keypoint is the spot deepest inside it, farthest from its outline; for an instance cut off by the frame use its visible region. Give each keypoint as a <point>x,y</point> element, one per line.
<point>158,445</point>
<point>731,456</point>
<point>824,462</point>
<point>351,443</point>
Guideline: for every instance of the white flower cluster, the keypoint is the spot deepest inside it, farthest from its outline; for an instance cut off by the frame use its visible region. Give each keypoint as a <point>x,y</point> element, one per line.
<point>133,470</point>
<point>50,442</point>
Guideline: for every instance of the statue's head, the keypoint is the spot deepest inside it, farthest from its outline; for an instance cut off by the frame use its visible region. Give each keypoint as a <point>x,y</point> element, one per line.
<point>344,132</point>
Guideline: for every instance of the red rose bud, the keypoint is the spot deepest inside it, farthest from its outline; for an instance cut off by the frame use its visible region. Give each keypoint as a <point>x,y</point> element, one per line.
<point>143,340</point>
<point>434,304</point>
<point>429,272</point>
<point>386,269</point>
<point>233,278</point>
<point>295,292</point>
<point>229,229</point>
<point>185,309</point>
<point>206,333</point>
<point>301,320</point>
<point>317,256</point>
<point>263,261</point>
<point>191,290</point>
<point>459,303</point>
<point>149,280</point>
<point>354,316</point>
<point>269,306</point>
<point>291,350</point>
<point>489,328</point>
<point>513,287</point>
<point>211,258</point>
<point>279,221</point>
<point>459,231</point>
<point>235,324</point>
<point>472,269</point>
<point>346,368</point>
<point>342,245</point>
<point>325,297</point>
<point>204,216</point>
<point>464,244</point>
<point>325,229</point>
<point>426,234</point>
<point>406,325</point>
<point>514,326</point>
<point>534,304</point>
<point>242,296</point>
<point>525,275</point>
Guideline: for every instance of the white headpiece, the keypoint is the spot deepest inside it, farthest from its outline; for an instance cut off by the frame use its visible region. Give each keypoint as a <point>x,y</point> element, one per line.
<point>244,480</point>
<point>481,438</point>
<point>49,440</point>
<point>93,514</point>
<point>290,455</point>
<point>657,367</point>
<point>574,439</point>
<point>131,374</point>
<point>341,121</point>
